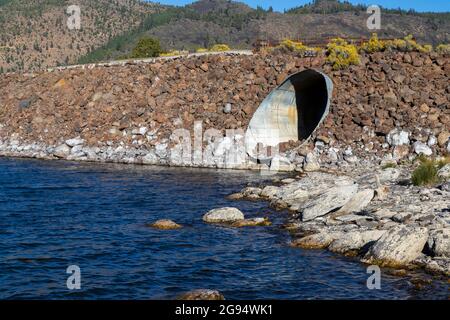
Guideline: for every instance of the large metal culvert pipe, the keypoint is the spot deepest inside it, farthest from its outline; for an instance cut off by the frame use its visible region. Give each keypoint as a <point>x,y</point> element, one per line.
<point>291,112</point>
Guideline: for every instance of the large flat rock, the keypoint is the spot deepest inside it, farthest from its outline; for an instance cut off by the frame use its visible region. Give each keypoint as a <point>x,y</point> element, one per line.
<point>334,198</point>
<point>358,202</point>
<point>355,240</point>
<point>398,247</point>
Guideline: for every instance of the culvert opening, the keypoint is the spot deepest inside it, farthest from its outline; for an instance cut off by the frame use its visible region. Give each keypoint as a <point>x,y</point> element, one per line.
<point>291,112</point>
<point>311,98</point>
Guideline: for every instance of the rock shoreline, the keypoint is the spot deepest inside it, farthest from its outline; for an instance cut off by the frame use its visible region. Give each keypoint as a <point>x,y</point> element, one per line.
<point>217,154</point>
<point>407,227</point>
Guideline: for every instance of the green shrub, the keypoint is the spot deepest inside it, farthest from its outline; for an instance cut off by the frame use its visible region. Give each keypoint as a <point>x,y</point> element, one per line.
<point>389,165</point>
<point>426,173</point>
<point>146,47</point>
<point>123,57</point>
<point>340,54</point>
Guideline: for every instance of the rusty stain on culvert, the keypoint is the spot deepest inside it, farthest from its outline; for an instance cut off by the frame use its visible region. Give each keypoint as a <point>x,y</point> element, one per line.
<point>291,112</point>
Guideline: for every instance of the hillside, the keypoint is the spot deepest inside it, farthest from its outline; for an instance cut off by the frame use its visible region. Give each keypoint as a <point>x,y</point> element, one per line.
<point>208,22</point>
<point>35,35</point>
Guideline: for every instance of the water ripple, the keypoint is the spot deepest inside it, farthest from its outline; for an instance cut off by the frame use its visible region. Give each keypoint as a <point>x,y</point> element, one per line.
<point>55,214</point>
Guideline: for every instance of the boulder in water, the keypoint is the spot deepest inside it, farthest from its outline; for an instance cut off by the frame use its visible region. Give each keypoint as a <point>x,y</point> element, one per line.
<point>223,215</point>
<point>165,224</point>
<point>253,222</point>
<point>202,294</point>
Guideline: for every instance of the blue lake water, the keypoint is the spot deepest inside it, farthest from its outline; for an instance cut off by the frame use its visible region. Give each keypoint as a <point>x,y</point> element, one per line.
<point>54,214</point>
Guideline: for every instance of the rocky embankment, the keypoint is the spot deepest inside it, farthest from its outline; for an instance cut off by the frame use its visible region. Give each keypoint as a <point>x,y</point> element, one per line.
<point>373,214</point>
<point>392,106</point>
<point>384,112</point>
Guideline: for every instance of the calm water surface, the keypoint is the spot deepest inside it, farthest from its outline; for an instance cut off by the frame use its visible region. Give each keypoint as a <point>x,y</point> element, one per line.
<point>54,214</point>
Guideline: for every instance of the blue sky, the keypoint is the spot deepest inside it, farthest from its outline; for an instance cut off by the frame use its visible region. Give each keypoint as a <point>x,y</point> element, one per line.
<point>280,5</point>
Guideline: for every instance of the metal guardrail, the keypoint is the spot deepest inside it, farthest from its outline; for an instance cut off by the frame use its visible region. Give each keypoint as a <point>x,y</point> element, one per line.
<point>147,60</point>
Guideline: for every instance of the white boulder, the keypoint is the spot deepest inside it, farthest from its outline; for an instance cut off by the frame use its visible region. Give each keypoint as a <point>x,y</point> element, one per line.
<point>439,242</point>
<point>269,191</point>
<point>422,148</point>
<point>75,142</point>
<point>62,151</point>
<point>311,163</point>
<point>389,174</point>
<point>221,215</point>
<point>444,172</point>
<point>397,137</point>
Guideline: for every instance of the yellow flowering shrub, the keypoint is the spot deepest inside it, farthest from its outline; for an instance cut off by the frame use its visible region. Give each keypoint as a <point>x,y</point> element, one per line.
<point>373,45</point>
<point>427,48</point>
<point>443,48</point>
<point>220,48</point>
<point>171,53</point>
<point>397,44</point>
<point>214,48</point>
<point>295,46</point>
<point>340,54</point>
<point>407,44</point>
